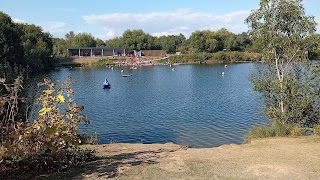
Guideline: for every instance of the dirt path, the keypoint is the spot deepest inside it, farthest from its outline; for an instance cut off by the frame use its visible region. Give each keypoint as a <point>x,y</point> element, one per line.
<point>276,158</point>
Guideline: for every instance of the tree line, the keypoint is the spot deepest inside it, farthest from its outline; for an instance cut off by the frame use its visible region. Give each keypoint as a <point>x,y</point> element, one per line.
<point>199,41</point>
<point>28,45</point>
<point>206,41</point>
<point>24,44</point>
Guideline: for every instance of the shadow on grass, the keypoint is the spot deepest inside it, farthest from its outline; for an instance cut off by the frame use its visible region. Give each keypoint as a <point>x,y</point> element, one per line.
<point>109,166</point>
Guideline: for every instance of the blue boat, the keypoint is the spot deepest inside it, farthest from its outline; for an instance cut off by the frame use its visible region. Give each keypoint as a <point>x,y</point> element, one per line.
<point>106,84</point>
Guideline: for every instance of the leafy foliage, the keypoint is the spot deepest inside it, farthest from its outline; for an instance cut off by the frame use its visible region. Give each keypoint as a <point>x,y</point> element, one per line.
<point>288,82</point>
<point>300,93</point>
<point>276,129</point>
<point>10,47</point>
<point>37,46</point>
<point>51,140</point>
<point>24,44</point>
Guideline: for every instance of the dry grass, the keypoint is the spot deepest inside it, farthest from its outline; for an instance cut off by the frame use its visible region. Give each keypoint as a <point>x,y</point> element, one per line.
<point>270,158</point>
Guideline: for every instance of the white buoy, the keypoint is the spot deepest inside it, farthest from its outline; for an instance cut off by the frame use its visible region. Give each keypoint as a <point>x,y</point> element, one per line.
<point>222,73</point>
<point>172,69</point>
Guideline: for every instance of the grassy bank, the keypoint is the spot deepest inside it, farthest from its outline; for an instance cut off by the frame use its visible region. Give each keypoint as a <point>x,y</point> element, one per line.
<point>219,57</point>
<point>208,58</point>
<point>88,61</point>
<point>270,158</point>
<point>278,129</point>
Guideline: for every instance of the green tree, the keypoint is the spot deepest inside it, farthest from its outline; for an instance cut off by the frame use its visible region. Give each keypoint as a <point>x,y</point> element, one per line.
<point>84,40</point>
<point>60,47</point>
<point>10,47</point>
<point>283,32</point>
<point>172,42</point>
<point>222,36</point>
<point>116,42</point>
<point>69,37</point>
<point>197,41</point>
<point>136,40</point>
<point>37,46</point>
<point>315,52</point>
<point>100,43</point>
<point>243,41</point>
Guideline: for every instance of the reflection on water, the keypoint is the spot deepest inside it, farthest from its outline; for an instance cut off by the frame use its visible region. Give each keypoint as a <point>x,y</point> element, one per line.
<point>193,105</point>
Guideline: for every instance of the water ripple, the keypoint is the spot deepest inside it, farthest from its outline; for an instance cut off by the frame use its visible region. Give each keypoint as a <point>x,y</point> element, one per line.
<point>193,105</point>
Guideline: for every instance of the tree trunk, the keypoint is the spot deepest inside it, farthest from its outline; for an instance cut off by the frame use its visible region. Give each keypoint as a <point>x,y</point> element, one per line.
<point>280,78</point>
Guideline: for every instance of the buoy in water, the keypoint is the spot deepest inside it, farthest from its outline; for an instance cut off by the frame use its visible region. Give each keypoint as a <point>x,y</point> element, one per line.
<point>222,73</point>
<point>225,66</point>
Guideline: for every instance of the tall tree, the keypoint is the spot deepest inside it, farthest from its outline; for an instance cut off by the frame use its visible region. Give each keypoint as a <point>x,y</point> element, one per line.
<point>282,30</point>
<point>100,43</point>
<point>84,40</point>
<point>243,41</point>
<point>37,46</point>
<point>116,42</point>
<point>69,37</point>
<point>59,47</point>
<point>10,47</point>
<point>172,42</point>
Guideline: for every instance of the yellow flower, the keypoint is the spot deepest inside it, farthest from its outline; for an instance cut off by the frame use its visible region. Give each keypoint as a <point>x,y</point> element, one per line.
<point>37,126</point>
<point>43,111</point>
<point>60,99</point>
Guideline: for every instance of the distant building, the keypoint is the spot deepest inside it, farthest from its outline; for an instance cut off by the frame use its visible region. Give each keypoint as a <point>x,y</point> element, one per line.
<point>96,51</point>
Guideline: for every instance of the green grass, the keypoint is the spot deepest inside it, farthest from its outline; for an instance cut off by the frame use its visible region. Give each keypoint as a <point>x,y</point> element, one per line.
<point>276,130</point>
<point>103,62</point>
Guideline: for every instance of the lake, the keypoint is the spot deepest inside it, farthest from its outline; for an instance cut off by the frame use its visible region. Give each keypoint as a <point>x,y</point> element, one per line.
<point>191,105</point>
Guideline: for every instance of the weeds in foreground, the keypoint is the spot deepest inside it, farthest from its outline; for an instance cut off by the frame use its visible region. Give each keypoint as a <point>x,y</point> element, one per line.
<point>48,142</point>
<point>86,138</point>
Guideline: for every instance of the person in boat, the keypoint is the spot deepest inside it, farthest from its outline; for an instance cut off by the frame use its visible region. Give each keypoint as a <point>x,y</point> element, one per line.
<point>106,83</point>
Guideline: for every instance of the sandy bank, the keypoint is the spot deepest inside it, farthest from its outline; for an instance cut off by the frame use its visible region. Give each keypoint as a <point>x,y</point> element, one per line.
<point>274,158</point>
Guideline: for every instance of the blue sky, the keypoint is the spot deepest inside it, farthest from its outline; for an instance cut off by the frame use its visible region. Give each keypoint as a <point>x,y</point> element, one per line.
<point>106,19</point>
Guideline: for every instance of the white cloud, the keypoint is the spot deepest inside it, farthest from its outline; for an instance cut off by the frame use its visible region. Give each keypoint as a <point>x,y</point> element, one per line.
<point>16,20</point>
<point>183,21</point>
<point>57,29</point>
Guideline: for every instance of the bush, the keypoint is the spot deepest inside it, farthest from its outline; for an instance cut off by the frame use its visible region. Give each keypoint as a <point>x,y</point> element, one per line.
<point>48,142</point>
<point>89,138</point>
<point>276,130</point>
<point>260,132</point>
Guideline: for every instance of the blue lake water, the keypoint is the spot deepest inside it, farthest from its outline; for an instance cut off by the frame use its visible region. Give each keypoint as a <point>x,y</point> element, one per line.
<point>193,105</point>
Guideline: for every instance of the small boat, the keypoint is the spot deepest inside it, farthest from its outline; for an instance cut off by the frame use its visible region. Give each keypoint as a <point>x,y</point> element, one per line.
<point>126,75</point>
<point>106,84</point>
